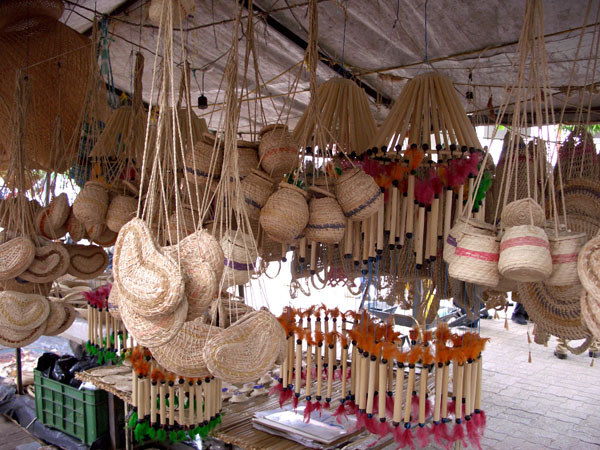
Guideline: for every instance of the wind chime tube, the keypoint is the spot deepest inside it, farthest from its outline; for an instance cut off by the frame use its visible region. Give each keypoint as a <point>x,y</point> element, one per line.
<point>410,206</point>
<point>382,388</point>
<point>409,388</point>
<point>433,227</point>
<point>348,238</point>
<point>440,217</point>
<point>331,365</point>
<point>353,370</point>
<point>459,391</point>
<point>314,246</point>
<point>372,380</point>
<point>393,217</point>
<point>387,208</point>
<point>357,243</point>
<point>402,221</point>
<point>298,380</point>
<point>134,388</point>
<point>344,364</point>
<point>423,393</point>
<point>380,218</point>
<point>419,236</point>
<point>399,393</point>
<point>390,376</point>
<point>364,378</point>
<point>181,397</point>
<point>153,393</point>
<point>107,316</point>
<point>291,360</point>
<point>89,330</point>
<point>478,389</point>
<point>470,192</point>
<point>283,250</point>
<point>302,250</point>
<point>147,397</point>
<point>373,236</point>
<point>319,362</point>
<point>467,388</point>
<point>162,392</point>
<point>366,240</point>
<point>171,403</point>
<point>459,201</point>
<point>141,402</point>
<point>447,214</point>
<point>438,392</point>
<point>445,382</point>
<point>191,418</point>
<point>308,368</point>
<point>471,406</point>
<point>284,371</point>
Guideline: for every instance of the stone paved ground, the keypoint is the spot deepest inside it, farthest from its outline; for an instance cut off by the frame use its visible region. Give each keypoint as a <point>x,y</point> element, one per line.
<point>548,403</point>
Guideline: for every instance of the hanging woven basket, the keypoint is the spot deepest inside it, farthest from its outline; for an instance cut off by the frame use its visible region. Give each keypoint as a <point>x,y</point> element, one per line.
<point>256,189</point>
<point>588,267</point>
<point>21,15</point>
<point>75,228</point>
<point>525,254</point>
<point>247,157</point>
<point>564,249</point>
<point>15,257</point>
<point>86,261</point>
<point>91,204</point>
<point>358,195</point>
<point>203,164</point>
<point>457,231</point>
<point>22,312</point>
<point>476,259</point>
<point>240,256</point>
<point>50,263</point>
<point>43,225</point>
<point>523,212</point>
<point>590,313</point>
<point>285,214</point>
<point>326,221</point>
<point>277,151</point>
<point>122,209</point>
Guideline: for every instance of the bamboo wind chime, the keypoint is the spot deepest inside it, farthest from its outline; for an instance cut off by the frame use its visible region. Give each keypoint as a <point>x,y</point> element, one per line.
<point>386,386</point>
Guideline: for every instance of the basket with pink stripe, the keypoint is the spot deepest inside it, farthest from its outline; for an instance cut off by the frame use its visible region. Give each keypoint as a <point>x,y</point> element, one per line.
<point>564,248</point>
<point>475,259</point>
<point>525,254</point>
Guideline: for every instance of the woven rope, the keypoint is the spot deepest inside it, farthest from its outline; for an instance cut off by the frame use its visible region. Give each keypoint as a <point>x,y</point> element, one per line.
<point>246,350</point>
<point>15,257</point>
<point>358,195</point>
<point>21,312</point>
<point>149,281</point>
<point>285,214</point>
<point>525,254</point>
<point>86,261</point>
<point>51,262</point>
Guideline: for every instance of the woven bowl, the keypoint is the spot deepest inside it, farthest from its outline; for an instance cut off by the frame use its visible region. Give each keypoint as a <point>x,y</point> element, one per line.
<point>256,189</point>
<point>476,259</point>
<point>16,256</point>
<point>588,267</point>
<point>50,263</point>
<point>184,354</point>
<point>149,281</point>
<point>86,261</point>
<point>279,153</point>
<point>285,214</point>
<point>246,350</point>
<point>22,312</point>
<point>91,204</point>
<point>358,195</point>
<point>523,212</point>
<point>326,221</point>
<point>525,254</point>
<point>240,256</point>
<point>564,249</point>
<point>121,210</point>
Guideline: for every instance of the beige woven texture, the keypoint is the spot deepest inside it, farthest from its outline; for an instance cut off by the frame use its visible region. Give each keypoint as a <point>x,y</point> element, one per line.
<point>44,226</point>
<point>20,338</point>
<point>207,161</point>
<point>86,261</point>
<point>256,188</point>
<point>22,312</point>
<point>326,221</point>
<point>279,153</point>
<point>58,211</point>
<point>458,230</point>
<point>246,350</point>
<point>149,281</point>
<point>238,249</point>
<point>523,212</point>
<point>114,302</point>
<point>564,249</point>
<point>91,204</point>
<point>51,262</point>
<point>71,315</point>
<point>525,262</point>
<point>358,195</point>
<point>121,210</point>
<point>25,287</point>
<point>56,317</point>
<point>75,228</point>
<point>285,214</point>
<point>16,256</point>
<point>472,269</point>
<point>107,238</point>
<point>588,267</point>
<point>590,313</point>
<point>184,354</point>
<point>247,158</point>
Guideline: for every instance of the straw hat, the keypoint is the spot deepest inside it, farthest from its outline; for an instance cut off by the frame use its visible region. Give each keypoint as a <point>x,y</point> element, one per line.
<point>184,354</point>
<point>51,262</point>
<point>94,231</point>
<point>75,228</point>
<point>590,313</point>
<point>15,257</point>
<point>86,261</point>
<point>149,281</point>
<point>523,212</point>
<point>155,330</point>
<point>20,311</point>
<point>71,314</point>
<point>20,338</point>
<point>38,48</point>
<point>19,285</point>
<point>121,210</point>
<point>246,350</point>
<point>588,267</point>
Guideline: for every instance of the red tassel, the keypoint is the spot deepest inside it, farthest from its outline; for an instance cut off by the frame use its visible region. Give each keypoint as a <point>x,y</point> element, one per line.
<point>483,421</point>
<point>348,373</point>
<point>308,409</point>
<point>397,432</point>
<point>406,438</point>
<point>371,424</point>
<point>445,432</point>
<point>285,396</point>
<point>326,405</point>
<point>313,373</point>
<point>337,375</point>
<point>303,375</point>
<point>295,402</point>
<point>361,421</point>
<point>428,408</point>
<point>440,434</point>
<point>414,408</point>
<point>319,408</point>
<point>473,434</point>
<point>382,428</point>
<point>276,389</point>
<point>451,407</point>
<point>389,405</point>
<point>423,436</point>
<point>351,408</point>
<point>340,413</point>
<point>458,434</point>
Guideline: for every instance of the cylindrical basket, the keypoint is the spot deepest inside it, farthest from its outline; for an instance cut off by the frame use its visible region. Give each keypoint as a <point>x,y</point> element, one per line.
<point>285,213</point>
<point>564,249</point>
<point>121,210</point>
<point>326,221</point>
<point>247,157</point>
<point>91,203</point>
<point>476,259</point>
<point>277,151</point>
<point>525,254</point>
<point>358,195</point>
<point>256,189</point>
<point>240,256</point>
<point>203,164</point>
<point>523,212</point>
<point>457,231</point>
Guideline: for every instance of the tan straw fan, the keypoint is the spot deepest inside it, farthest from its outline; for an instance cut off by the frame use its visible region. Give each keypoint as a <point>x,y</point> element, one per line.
<point>588,267</point>
<point>86,261</point>
<point>91,204</point>
<point>18,339</point>
<point>25,287</point>
<point>121,209</point>
<point>247,349</point>
<point>16,255</point>
<point>50,263</point>
<point>22,311</point>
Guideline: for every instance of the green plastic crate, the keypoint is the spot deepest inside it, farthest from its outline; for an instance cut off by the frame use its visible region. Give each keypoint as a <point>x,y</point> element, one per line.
<point>82,414</point>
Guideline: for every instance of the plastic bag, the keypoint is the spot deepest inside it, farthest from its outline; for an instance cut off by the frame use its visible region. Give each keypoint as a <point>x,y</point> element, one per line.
<point>45,363</point>
<point>61,369</point>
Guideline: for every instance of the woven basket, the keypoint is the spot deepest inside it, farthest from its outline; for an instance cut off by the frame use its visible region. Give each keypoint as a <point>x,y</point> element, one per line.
<point>184,354</point>
<point>50,263</point>
<point>153,330</point>
<point>197,163</point>
<point>457,231</point>
<point>94,231</point>
<point>25,287</point>
<point>358,195</point>
<point>247,157</point>
<point>75,228</point>
<point>246,350</point>
<point>224,312</point>
<point>564,249</point>
<point>240,258</point>
<point>523,212</point>
<point>285,214</point>
<point>256,188</point>
<point>588,267</point>
<point>86,261</point>
<point>326,221</point>
<point>121,210</point>
<point>582,197</point>
<point>44,227</point>
<point>556,309</point>
<point>525,254</point>
<point>149,282</point>
<point>91,204</point>
<point>590,313</point>
<point>326,183</point>
<point>18,339</point>
<point>16,256</point>
<point>56,318</point>
<point>575,159</point>
<point>107,238</point>
<point>58,211</point>
<point>22,312</point>
<point>476,259</point>
<point>209,249</point>
<point>277,151</point>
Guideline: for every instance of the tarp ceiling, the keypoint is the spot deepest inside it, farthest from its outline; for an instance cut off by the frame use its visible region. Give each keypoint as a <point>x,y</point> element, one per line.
<point>382,43</point>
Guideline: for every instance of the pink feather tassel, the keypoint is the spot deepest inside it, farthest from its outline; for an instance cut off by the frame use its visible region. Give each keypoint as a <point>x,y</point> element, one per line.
<point>383,428</point>
<point>308,409</point>
<point>473,434</point>
<point>451,406</point>
<point>458,434</point>
<point>389,405</point>
<point>423,434</point>
<point>371,424</point>
<point>276,389</point>
<point>295,402</point>
<point>414,408</point>
<point>406,438</point>
<point>327,405</point>
<point>340,413</point>
<point>361,421</point>
<point>351,408</point>
<point>285,396</point>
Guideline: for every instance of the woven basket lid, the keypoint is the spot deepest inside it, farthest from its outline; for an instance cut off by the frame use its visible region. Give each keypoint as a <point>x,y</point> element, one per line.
<point>20,311</point>
<point>184,354</point>
<point>20,15</point>
<point>38,48</point>
<point>275,126</point>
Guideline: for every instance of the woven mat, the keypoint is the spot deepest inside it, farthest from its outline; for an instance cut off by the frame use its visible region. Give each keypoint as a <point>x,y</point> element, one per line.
<point>110,379</point>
